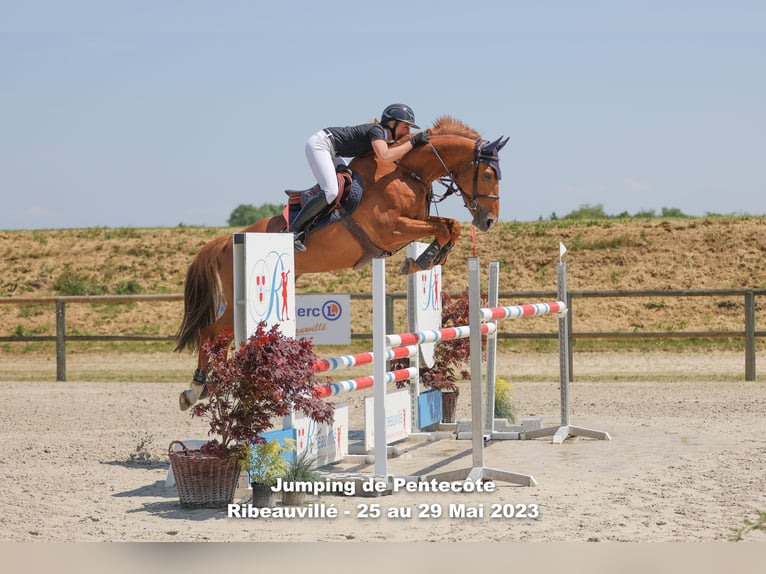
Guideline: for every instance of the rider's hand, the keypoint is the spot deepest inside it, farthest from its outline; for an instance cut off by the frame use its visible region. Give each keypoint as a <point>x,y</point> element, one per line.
<point>419,139</point>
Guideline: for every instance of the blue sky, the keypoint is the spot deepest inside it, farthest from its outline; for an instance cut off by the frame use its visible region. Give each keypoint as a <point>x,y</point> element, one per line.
<point>156,113</point>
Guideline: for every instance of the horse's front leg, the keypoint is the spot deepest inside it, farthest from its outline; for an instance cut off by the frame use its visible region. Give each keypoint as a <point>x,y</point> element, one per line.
<point>445,232</point>
<point>454,228</point>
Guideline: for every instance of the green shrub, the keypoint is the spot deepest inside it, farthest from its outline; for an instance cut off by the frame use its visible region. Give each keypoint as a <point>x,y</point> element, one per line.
<point>243,215</point>
<point>759,523</point>
<point>504,401</point>
<point>69,283</point>
<point>129,287</point>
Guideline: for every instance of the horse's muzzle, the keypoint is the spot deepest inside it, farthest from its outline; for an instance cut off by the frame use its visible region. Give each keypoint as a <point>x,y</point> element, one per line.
<point>484,222</point>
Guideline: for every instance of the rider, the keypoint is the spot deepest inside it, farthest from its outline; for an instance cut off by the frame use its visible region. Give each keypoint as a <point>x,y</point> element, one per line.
<point>326,149</point>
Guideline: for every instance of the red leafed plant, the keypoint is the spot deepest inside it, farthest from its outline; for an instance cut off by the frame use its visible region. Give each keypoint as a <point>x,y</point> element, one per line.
<point>268,376</point>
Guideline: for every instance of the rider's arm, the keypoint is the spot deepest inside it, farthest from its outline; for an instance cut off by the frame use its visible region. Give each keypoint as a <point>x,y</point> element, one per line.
<point>393,153</point>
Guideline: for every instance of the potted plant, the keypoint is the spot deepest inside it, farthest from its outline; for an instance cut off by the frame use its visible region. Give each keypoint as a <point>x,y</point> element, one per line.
<point>302,469</point>
<point>265,463</point>
<point>504,401</point>
<point>450,356</point>
<point>268,376</point>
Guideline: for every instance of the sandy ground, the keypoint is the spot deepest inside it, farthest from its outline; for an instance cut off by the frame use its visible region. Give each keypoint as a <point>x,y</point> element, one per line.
<point>686,462</point>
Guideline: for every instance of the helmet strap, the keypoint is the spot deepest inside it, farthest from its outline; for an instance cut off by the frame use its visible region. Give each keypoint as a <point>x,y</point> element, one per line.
<point>393,129</point>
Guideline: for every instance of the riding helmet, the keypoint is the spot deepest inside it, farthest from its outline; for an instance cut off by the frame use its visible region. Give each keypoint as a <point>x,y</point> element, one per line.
<point>400,113</point>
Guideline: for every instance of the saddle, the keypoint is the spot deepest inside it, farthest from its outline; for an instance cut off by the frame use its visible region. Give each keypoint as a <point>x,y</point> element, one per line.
<point>299,198</point>
<point>349,195</point>
<point>350,191</point>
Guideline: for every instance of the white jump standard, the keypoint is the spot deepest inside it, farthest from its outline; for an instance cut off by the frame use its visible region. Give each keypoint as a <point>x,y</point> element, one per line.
<point>478,472</point>
<point>565,430</point>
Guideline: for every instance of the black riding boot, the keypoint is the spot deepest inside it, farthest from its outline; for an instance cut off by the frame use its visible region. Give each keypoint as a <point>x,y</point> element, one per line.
<point>310,211</point>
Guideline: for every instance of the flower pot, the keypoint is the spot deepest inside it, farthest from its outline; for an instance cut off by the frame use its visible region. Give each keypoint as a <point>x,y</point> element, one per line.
<point>294,498</point>
<point>449,406</point>
<point>202,480</point>
<point>263,495</point>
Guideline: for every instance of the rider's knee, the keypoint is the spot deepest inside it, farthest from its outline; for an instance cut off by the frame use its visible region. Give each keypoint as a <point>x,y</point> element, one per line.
<point>330,195</point>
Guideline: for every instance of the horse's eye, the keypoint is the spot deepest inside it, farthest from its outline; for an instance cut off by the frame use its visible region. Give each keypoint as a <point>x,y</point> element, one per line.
<point>487,176</point>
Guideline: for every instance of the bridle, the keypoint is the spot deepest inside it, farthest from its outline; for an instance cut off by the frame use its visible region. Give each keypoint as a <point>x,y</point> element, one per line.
<point>450,181</point>
<point>483,152</point>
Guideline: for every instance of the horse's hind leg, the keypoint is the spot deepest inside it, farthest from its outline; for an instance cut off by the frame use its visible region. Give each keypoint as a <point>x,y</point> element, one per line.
<point>191,395</point>
<point>197,389</point>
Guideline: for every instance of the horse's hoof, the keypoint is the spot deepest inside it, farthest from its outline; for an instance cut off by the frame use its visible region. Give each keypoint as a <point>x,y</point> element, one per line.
<point>441,258</point>
<point>184,401</point>
<point>406,265</point>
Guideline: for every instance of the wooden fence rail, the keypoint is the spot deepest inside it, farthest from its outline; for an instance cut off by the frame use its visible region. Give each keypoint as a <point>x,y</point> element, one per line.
<point>750,334</point>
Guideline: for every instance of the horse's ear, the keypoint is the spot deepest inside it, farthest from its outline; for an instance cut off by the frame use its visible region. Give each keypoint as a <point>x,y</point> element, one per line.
<point>493,147</point>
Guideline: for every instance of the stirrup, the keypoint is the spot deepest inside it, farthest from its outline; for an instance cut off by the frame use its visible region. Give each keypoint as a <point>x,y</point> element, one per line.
<point>298,242</point>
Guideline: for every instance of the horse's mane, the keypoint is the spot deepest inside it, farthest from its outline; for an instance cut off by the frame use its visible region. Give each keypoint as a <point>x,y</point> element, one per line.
<point>447,125</point>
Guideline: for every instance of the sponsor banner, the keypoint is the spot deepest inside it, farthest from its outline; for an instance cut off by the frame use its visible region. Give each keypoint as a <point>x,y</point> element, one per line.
<point>424,301</point>
<point>325,319</point>
<point>264,283</point>
<point>398,418</point>
<point>324,443</point>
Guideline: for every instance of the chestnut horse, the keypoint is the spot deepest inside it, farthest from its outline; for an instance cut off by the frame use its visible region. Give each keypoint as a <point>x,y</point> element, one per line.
<point>393,212</point>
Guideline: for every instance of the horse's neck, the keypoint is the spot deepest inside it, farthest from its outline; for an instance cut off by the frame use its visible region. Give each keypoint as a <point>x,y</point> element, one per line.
<point>449,154</point>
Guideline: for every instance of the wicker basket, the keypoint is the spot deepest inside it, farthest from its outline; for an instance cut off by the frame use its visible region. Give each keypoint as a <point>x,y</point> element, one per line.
<point>449,406</point>
<point>203,481</point>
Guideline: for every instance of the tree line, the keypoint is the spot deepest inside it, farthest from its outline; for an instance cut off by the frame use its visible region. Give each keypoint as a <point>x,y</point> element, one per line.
<point>244,214</point>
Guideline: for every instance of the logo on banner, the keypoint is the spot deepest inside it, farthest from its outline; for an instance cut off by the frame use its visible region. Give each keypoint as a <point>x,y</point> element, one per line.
<point>430,298</point>
<point>332,310</point>
<point>320,437</point>
<point>270,277</point>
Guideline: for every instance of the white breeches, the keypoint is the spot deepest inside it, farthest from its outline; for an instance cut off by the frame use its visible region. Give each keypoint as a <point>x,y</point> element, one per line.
<point>320,154</point>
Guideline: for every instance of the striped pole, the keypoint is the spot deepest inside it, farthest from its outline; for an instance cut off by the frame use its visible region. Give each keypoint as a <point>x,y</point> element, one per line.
<point>350,385</point>
<point>433,335</point>
<point>516,311</point>
<point>347,361</point>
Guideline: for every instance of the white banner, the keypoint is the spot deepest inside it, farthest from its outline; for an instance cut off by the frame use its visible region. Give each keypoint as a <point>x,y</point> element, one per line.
<point>398,418</point>
<point>325,319</point>
<point>424,301</point>
<point>324,443</point>
<point>264,283</point>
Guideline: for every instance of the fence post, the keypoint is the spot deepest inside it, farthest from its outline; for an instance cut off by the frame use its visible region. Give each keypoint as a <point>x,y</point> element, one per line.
<point>60,340</point>
<point>564,347</point>
<point>568,334</point>
<point>389,314</point>
<point>493,288</point>
<point>749,336</point>
<point>380,302</point>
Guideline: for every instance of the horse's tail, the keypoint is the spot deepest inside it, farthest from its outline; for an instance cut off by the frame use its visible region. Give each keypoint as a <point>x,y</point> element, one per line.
<point>203,295</point>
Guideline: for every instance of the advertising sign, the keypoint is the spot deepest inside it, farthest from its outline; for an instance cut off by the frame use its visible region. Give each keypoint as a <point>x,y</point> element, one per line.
<point>325,319</point>
<point>324,443</point>
<point>264,282</point>
<point>398,418</point>
<point>424,301</point>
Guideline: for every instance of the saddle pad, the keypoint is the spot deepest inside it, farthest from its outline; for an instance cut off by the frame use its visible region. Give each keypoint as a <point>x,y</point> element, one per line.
<point>348,204</point>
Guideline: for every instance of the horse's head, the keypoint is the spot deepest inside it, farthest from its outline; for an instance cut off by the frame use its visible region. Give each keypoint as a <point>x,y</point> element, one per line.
<point>473,169</point>
<point>479,183</point>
